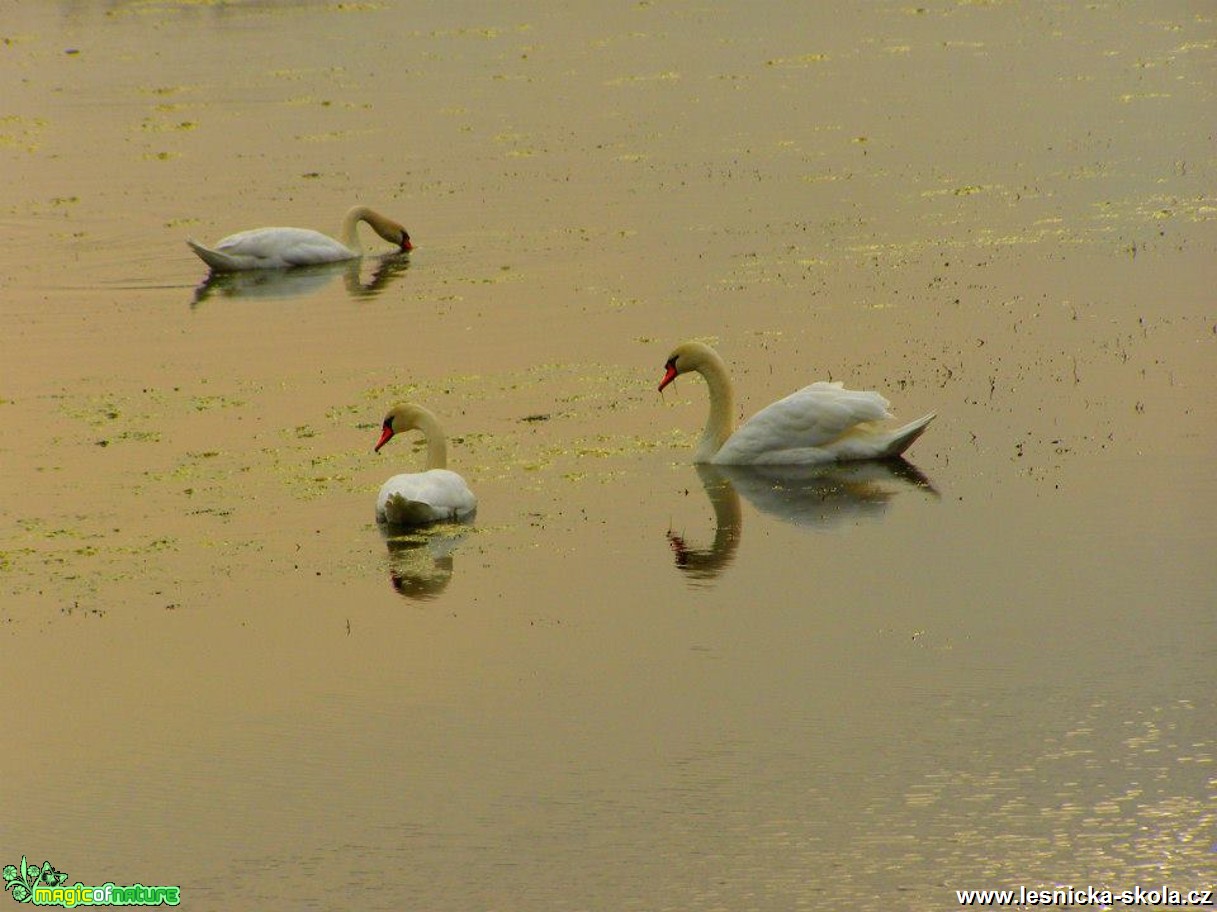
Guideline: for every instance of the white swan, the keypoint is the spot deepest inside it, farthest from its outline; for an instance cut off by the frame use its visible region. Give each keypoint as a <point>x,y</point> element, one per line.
<point>417,498</point>
<point>820,423</point>
<point>279,248</point>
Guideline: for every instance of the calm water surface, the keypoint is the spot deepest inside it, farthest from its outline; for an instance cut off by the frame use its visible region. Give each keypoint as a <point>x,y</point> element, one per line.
<point>630,684</point>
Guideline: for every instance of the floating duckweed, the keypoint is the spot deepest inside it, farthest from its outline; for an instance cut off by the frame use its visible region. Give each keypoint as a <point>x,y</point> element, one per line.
<point>203,403</point>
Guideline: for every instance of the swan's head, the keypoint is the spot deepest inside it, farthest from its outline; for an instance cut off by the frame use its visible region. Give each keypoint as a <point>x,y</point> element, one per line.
<point>688,356</point>
<point>397,234</point>
<point>391,231</point>
<point>401,418</point>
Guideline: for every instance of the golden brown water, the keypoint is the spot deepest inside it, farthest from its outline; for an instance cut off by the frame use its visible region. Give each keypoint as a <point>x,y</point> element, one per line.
<point>629,684</point>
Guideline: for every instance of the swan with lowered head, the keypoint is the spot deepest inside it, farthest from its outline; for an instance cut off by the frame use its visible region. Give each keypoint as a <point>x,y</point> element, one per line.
<point>418,498</point>
<point>279,248</point>
<point>820,423</point>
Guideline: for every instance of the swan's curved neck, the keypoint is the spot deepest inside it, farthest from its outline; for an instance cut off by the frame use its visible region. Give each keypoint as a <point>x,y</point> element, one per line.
<point>721,422</point>
<point>349,235</point>
<point>437,443</point>
<point>388,229</point>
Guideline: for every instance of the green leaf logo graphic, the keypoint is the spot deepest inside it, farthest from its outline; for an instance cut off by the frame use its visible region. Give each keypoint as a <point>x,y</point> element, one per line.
<point>21,881</point>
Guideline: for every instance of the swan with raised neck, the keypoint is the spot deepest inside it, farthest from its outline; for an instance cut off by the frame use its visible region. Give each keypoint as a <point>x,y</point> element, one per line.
<point>433,495</point>
<point>823,422</point>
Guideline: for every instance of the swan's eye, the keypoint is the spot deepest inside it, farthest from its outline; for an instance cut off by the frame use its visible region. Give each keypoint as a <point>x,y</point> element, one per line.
<point>671,365</point>
<point>388,425</point>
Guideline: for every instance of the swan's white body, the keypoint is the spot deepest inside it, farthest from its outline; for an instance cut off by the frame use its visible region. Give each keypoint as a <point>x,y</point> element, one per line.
<point>821,423</point>
<point>281,248</point>
<point>419,498</point>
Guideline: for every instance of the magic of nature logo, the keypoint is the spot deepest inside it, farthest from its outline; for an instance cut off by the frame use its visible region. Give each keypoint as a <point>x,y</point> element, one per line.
<point>44,885</point>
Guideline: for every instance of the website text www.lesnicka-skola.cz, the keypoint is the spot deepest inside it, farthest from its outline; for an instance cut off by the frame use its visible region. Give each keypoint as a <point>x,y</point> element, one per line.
<point>1088,896</point>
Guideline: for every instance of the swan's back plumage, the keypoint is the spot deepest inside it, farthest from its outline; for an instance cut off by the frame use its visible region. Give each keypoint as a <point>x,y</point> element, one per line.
<point>418,498</point>
<point>804,427</point>
<point>272,248</point>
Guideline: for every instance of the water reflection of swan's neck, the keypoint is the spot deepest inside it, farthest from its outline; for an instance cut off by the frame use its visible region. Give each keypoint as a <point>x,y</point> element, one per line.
<point>817,498</point>
<point>708,563</point>
<point>388,268</point>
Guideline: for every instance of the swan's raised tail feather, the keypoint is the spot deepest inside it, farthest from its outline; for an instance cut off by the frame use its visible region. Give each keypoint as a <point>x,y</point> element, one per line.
<point>401,511</point>
<point>213,258</point>
<point>902,438</point>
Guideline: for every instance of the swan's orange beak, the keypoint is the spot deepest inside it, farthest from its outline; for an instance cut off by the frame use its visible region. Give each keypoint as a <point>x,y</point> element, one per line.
<point>668,377</point>
<point>384,438</point>
<point>406,245</point>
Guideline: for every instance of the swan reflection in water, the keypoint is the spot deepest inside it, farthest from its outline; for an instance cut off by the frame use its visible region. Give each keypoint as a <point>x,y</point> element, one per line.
<point>821,497</point>
<point>421,559</point>
<point>304,280</point>
<point>708,563</point>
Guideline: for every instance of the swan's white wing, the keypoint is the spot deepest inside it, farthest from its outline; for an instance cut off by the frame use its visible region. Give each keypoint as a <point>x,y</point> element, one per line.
<point>803,427</point>
<point>423,497</point>
<point>279,247</point>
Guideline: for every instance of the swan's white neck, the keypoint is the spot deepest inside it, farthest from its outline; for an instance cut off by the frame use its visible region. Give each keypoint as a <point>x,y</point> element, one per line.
<point>411,417</point>
<point>349,235</point>
<point>720,424</point>
<point>437,443</point>
<point>385,227</point>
